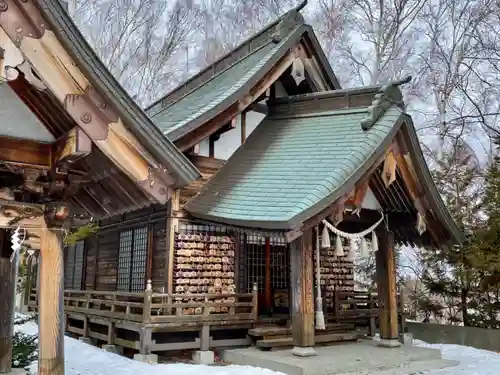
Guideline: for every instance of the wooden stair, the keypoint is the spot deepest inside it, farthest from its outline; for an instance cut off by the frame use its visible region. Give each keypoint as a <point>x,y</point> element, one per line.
<point>268,337</point>
<point>268,344</point>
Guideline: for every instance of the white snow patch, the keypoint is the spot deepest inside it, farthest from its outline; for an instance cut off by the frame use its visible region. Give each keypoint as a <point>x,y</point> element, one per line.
<point>472,361</point>
<point>83,359</point>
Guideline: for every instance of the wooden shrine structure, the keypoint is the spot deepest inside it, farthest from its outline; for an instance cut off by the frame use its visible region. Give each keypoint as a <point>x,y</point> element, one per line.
<point>72,146</point>
<point>256,245</point>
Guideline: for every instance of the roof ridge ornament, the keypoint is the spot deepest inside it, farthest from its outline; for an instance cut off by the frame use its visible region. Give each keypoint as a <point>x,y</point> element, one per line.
<point>288,22</point>
<point>387,95</point>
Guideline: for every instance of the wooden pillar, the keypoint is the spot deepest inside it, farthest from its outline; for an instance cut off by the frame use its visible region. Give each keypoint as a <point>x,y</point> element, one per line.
<point>50,303</point>
<point>386,288</point>
<point>243,127</point>
<point>301,255</point>
<point>7,292</point>
<point>29,281</point>
<point>173,207</point>
<point>267,276</point>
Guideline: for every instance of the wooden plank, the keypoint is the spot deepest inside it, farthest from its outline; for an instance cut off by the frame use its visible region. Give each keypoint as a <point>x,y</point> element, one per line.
<point>302,290</point>
<point>51,338</point>
<point>25,152</point>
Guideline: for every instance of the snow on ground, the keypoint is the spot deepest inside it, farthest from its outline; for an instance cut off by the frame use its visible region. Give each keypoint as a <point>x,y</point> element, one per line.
<point>472,361</point>
<point>83,359</point>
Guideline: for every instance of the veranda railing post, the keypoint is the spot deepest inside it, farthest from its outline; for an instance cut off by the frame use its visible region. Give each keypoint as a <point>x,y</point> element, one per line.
<point>146,309</point>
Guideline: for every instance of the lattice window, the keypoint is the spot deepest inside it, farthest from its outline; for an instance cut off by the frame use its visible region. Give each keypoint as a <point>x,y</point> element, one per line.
<point>254,246</point>
<point>124,260</point>
<point>73,275</point>
<point>256,261</point>
<point>132,260</point>
<point>139,260</point>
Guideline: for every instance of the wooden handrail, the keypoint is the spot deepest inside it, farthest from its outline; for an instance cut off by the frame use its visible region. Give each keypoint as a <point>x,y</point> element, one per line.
<point>149,307</point>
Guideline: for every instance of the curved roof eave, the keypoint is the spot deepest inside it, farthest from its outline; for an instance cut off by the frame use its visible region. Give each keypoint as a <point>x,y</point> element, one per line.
<point>427,182</point>
<point>100,78</point>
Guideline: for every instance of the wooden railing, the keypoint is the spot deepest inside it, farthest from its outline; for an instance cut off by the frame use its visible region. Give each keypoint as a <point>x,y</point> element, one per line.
<point>162,309</point>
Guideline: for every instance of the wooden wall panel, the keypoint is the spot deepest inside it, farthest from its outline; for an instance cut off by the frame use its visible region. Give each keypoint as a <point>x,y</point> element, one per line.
<point>159,255</point>
<point>91,244</point>
<point>107,260</point>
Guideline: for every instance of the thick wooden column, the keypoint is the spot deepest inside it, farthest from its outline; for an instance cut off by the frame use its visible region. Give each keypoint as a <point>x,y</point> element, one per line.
<point>301,255</point>
<point>50,303</point>
<point>7,291</point>
<point>386,287</point>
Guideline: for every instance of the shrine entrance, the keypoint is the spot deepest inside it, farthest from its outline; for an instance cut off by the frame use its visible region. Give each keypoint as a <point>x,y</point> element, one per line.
<point>266,262</point>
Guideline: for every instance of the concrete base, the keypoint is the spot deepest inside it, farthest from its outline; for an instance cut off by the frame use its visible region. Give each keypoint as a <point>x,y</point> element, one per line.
<point>406,338</point>
<point>85,340</point>
<point>203,357</point>
<point>113,349</point>
<point>299,351</point>
<point>365,357</point>
<point>389,343</point>
<point>146,358</point>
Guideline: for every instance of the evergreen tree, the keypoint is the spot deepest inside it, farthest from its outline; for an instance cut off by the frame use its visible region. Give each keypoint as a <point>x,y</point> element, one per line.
<point>450,277</point>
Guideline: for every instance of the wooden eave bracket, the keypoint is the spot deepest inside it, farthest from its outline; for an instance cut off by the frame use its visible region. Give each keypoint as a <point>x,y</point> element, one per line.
<point>29,39</point>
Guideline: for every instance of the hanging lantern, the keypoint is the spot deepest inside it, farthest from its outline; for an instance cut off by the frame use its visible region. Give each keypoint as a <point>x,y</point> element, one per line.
<point>325,238</point>
<point>339,249</point>
<point>374,242</point>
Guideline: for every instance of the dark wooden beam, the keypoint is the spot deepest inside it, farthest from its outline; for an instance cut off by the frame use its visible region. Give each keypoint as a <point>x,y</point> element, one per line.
<point>259,107</point>
<point>301,254</point>
<point>25,152</point>
<point>210,127</point>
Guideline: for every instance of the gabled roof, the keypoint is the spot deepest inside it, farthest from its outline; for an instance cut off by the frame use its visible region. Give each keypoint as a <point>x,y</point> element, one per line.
<point>227,80</point>
<point>101,79</point>
<point>308,152</point>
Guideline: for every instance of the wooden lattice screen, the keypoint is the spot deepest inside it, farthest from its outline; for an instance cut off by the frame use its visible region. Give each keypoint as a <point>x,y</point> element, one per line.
<point>132,260</point>
<point>73,275</point>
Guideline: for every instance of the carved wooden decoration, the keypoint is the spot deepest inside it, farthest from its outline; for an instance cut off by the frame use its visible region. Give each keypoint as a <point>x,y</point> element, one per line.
<point>25,37</point>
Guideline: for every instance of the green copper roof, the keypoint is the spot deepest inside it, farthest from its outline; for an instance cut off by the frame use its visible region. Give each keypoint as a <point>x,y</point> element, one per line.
<point>292,166</point>
<point>212,94</point>
<point>228,79</point>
